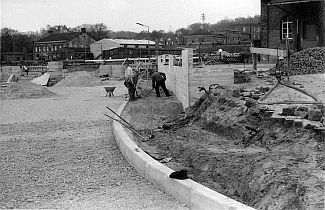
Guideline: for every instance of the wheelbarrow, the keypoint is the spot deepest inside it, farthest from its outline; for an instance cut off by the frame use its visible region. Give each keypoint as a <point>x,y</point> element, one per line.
<point>109,91</point>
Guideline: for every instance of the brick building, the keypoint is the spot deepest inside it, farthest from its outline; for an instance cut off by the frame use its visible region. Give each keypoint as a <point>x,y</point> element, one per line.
<point>303,22</point>
<point>62,46</point>
<point>250,29</point>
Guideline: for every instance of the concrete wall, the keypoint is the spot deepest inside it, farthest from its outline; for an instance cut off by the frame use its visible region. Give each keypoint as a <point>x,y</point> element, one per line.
<point>177,76</point>
<point>184,80</point>
<point>112,70</point>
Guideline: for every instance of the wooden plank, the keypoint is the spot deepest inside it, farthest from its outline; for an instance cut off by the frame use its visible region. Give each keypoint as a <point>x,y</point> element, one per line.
<point>268,51</point>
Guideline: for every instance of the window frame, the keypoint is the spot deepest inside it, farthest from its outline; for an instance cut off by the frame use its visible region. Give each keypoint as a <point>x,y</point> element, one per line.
<point>286,28</point>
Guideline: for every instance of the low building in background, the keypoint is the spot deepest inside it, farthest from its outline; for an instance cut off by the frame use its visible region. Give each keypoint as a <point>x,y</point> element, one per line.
<point>122,48</point>
<point>64,46</point>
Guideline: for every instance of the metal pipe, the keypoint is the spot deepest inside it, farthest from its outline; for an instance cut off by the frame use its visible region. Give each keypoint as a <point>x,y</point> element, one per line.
<point>128,127</point>
<point>120,117</point>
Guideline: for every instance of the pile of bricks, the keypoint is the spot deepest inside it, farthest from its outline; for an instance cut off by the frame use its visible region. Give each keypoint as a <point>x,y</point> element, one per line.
<point>308,61</point>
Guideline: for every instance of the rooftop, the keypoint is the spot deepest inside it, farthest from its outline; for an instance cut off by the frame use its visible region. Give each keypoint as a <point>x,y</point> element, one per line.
<point>129,41</point>
<point>58,37</point>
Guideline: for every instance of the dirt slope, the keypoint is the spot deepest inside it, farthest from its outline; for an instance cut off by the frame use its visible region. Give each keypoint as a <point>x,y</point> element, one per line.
<point>235,149</point>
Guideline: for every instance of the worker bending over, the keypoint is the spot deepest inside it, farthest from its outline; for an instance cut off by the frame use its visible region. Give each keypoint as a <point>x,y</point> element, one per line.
<point>158,80</point>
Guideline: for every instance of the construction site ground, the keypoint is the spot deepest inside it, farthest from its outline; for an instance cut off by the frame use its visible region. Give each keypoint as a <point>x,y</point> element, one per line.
<point>58,151</point>
<point>233,148</point>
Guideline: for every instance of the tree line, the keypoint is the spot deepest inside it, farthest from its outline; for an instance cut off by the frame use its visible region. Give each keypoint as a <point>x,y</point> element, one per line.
<point>15,41</point>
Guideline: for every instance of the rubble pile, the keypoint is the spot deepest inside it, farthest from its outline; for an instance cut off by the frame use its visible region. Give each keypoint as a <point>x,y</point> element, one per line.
<point>308,61</point>
<point>242,76</point>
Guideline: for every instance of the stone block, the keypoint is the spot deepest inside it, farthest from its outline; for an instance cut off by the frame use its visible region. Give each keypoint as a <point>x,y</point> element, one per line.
<point>288,123</point>
<point>314,114</point>
<point>277,119</point>
<point>289,111</point>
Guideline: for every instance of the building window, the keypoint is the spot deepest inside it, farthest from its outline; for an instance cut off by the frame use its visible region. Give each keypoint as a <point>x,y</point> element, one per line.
<point>286,28</point>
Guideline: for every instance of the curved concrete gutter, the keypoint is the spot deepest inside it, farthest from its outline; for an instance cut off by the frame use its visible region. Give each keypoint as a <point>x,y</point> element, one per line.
<point>194,195</point>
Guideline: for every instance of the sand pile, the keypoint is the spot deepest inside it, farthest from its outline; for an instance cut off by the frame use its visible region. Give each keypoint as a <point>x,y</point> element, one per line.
<point>25,90</point>
<point>80,79</point>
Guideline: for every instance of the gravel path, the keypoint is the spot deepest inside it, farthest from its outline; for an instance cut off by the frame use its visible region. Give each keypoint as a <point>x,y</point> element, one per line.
<point>60,153</point>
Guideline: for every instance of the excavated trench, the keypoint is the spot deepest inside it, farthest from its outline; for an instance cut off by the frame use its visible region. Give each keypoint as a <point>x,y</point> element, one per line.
<point>234,148</point>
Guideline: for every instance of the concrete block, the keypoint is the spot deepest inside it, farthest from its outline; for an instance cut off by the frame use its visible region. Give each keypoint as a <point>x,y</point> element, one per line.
<point>288,123</point>
<point>156,173</point>
<point>180,189</point>
<point>204,198</point>
<point>277,119</point>
<point>289,111</point>
<point>140,160</point>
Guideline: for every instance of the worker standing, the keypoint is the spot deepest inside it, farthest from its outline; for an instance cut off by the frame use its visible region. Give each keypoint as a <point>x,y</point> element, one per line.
<point>158,80</point>
<point>131,78</point>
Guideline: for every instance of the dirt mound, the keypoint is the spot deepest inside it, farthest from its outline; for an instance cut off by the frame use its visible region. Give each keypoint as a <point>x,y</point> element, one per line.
<point>80,79</point>
<point>234,148</point>
<point>25,90</point>
<point>308,61</point>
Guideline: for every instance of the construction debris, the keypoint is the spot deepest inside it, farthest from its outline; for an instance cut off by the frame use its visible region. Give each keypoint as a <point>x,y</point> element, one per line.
<point>308,61</point>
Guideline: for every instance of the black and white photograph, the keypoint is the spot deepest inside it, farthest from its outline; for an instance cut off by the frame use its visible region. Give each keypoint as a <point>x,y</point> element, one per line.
<point>162,104</point>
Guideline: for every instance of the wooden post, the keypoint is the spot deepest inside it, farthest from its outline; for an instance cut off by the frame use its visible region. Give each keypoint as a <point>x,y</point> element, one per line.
<point>288,57</point>
<point>254,61</point>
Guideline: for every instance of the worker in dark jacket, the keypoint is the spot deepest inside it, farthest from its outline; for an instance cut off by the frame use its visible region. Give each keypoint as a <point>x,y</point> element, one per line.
<point>158,80</point>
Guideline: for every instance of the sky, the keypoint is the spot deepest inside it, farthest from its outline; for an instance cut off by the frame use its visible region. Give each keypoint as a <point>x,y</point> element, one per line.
<point>121,15</point>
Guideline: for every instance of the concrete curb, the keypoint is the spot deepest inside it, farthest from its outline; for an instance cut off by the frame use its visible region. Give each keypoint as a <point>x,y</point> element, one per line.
<point>194,195</point>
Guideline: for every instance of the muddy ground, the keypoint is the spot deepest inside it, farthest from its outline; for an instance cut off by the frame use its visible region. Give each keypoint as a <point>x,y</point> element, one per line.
<point>235,148</point>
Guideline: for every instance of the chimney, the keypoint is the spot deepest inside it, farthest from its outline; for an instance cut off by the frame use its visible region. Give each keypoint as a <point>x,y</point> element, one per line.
<point>83,30</point>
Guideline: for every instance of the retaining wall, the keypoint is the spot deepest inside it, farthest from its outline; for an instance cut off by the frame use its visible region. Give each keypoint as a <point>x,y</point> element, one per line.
<point>184,80</point>
<point>194,195</point>
<point>112,70</point>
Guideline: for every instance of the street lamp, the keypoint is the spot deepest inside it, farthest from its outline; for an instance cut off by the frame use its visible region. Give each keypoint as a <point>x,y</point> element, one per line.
<point>147,38</point>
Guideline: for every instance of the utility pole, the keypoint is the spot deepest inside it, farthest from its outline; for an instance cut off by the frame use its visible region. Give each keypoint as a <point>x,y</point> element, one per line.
<point>147,39</point>
<point>203,18</point>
